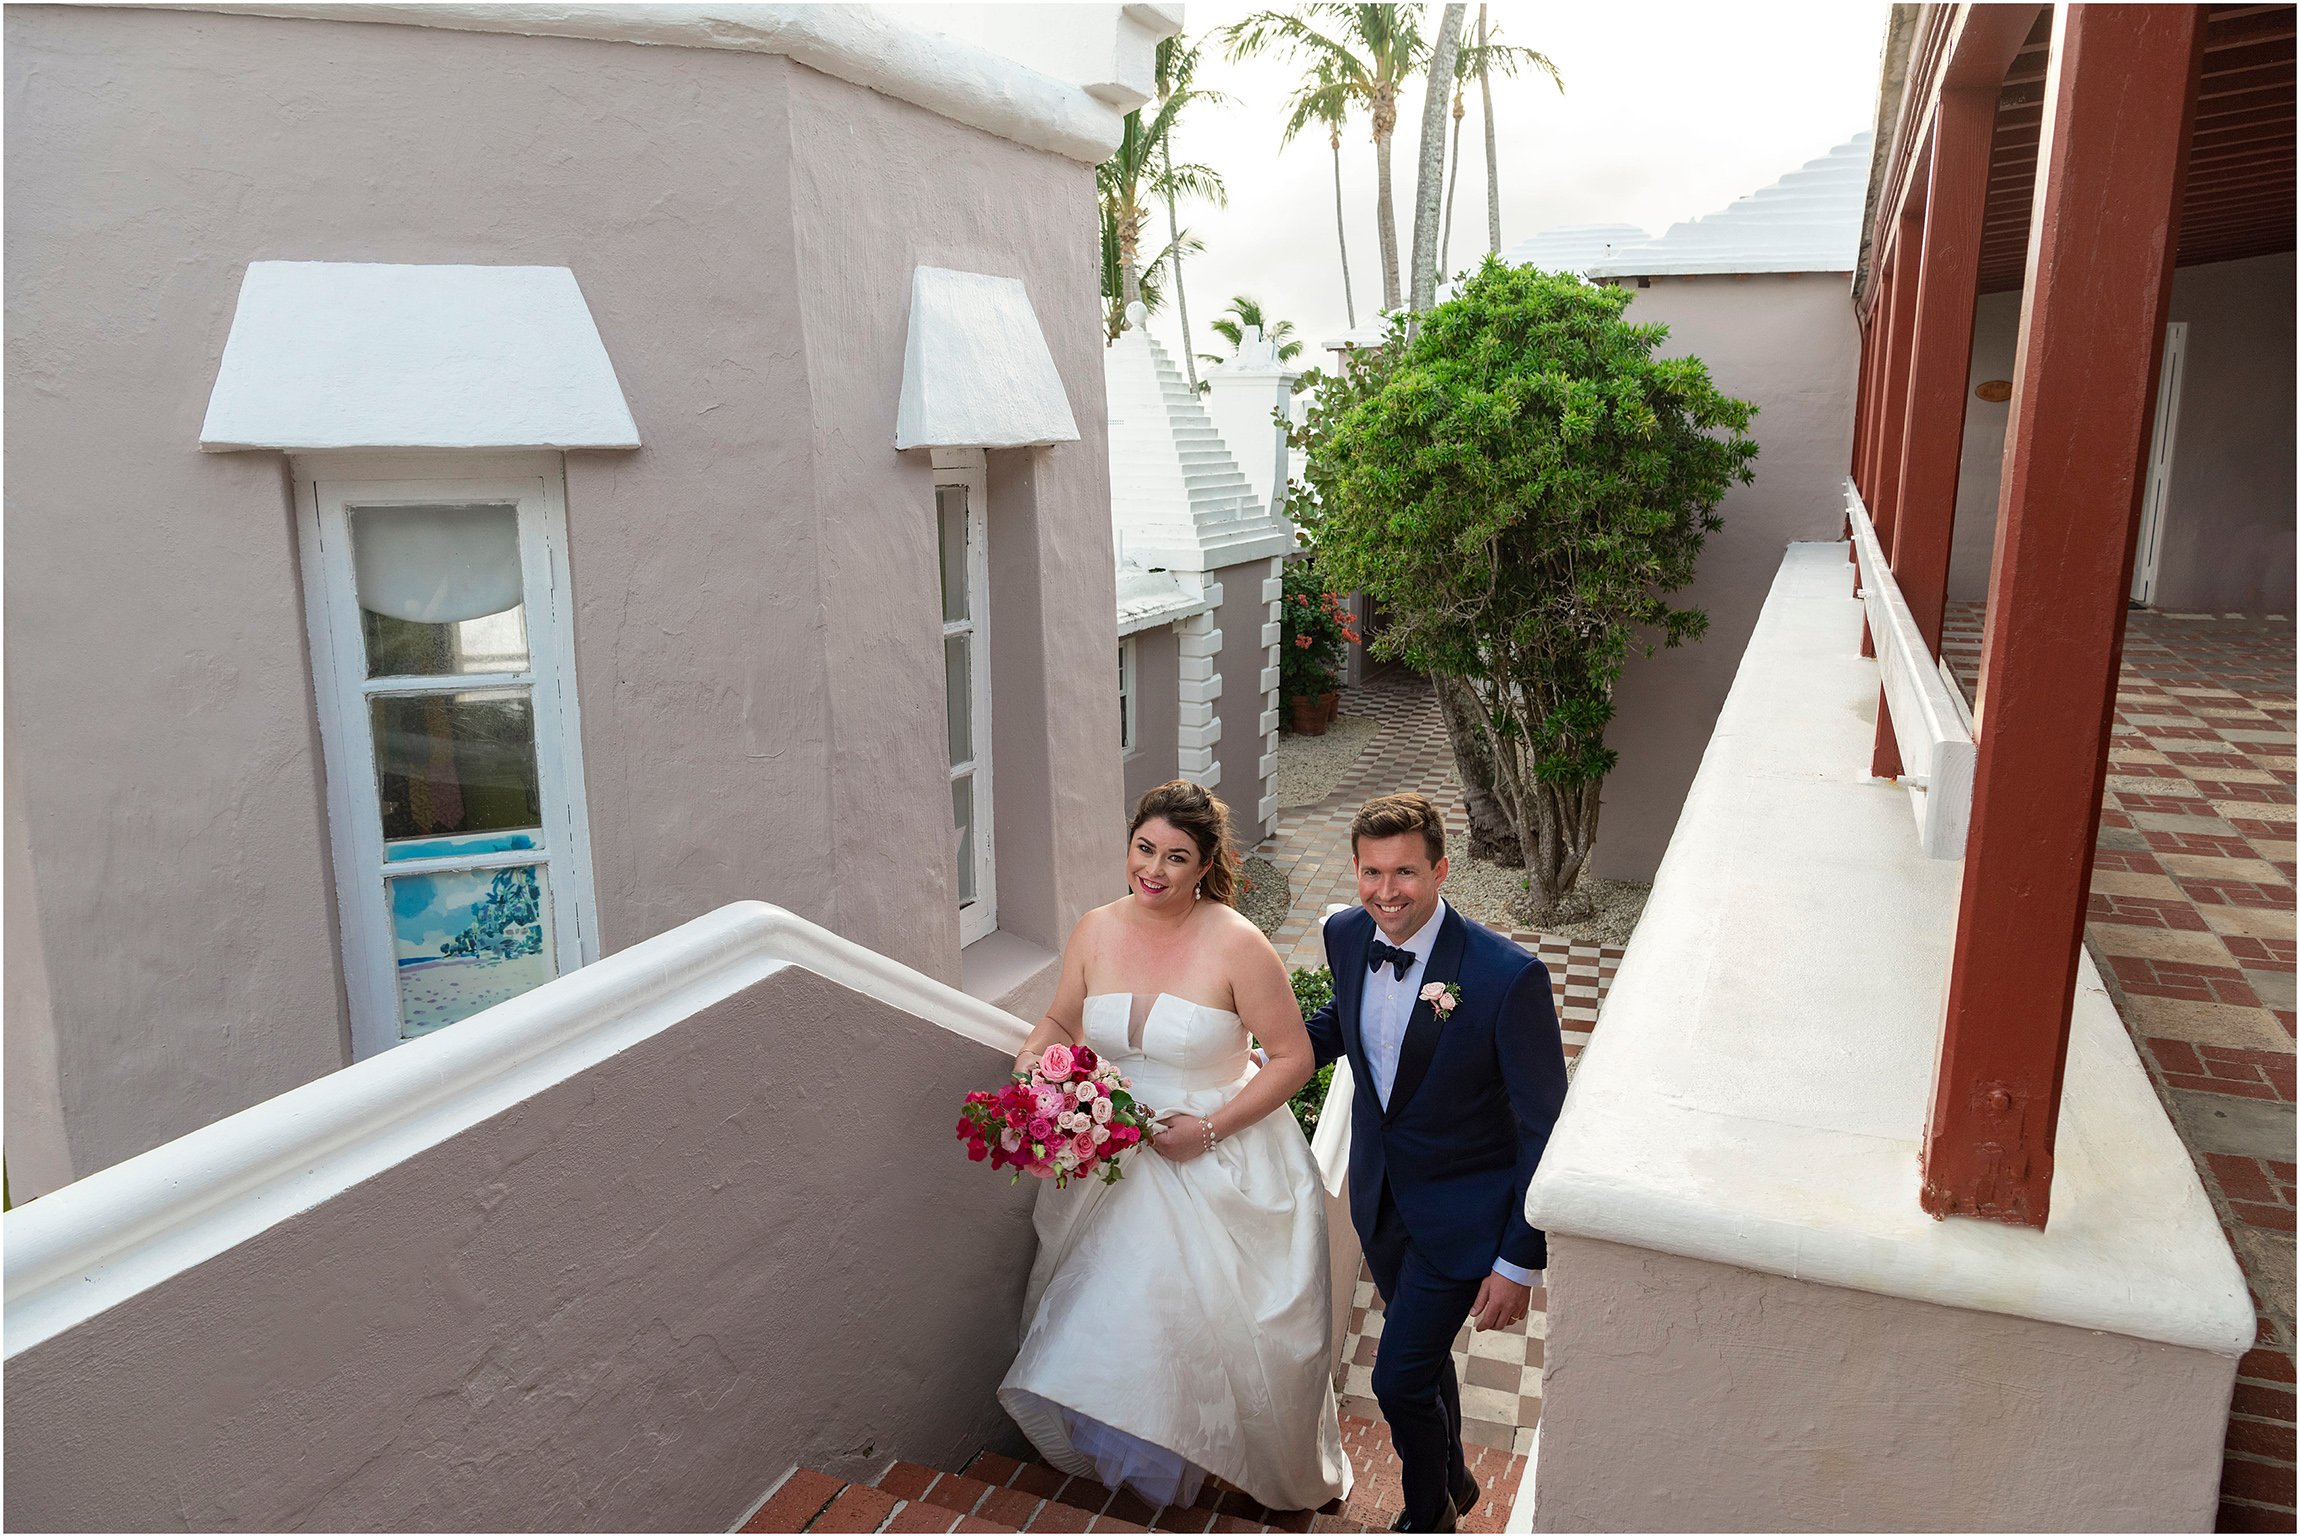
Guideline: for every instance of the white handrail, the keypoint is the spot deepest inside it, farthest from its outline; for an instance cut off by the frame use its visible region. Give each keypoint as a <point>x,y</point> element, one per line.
<point>1930,725</point>
<point>102,1239</point>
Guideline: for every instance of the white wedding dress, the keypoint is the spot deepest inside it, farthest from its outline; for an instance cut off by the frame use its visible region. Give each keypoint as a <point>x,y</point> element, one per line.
<point>1178,1322</point>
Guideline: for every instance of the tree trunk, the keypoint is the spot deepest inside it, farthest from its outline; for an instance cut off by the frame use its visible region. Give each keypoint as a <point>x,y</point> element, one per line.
<point>1181,304</point>
<point>1429,174</point>
<point>1556,825</point>
<point>1385,217</point>
<point>1491,835</point>
<point>1452,186</point>
<point>1492,171</point>
<point>1129,254</point>
<point>1341,236</point>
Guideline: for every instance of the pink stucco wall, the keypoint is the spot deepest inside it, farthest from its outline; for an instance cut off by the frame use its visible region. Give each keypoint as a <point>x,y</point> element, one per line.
<point>1788,344</point>
<point>754,611</point>
<point>629,1303</point>
<point>2229,523</point>
<point>1683,1395</point>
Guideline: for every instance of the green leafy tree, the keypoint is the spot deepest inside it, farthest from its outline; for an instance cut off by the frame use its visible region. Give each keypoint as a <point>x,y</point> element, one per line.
<point>1522,485</point>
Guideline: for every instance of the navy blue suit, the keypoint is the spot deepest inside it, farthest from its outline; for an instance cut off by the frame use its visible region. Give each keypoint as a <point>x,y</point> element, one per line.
<point>1437,1180</point>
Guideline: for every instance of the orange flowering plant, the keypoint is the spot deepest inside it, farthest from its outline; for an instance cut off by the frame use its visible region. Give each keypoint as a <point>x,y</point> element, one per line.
<point>1313,628</point>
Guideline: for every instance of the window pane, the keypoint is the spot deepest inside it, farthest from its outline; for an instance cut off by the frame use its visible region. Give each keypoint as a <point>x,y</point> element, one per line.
<point>455,763</point>
<point>950,515</point>
<point>1125,702</point>
<point>466,940</point>
<point>439,589</point>
<point>962,812</point>
<point>958,688</point>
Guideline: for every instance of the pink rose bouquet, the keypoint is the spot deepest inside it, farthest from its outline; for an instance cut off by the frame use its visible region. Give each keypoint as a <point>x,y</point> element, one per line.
<point>1070,1116</point>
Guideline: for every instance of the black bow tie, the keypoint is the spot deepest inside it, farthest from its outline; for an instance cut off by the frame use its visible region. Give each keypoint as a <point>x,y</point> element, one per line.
<point>1378,955</point>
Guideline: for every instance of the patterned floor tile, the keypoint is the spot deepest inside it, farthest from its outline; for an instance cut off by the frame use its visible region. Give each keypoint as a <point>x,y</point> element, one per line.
<point>2192,924</point>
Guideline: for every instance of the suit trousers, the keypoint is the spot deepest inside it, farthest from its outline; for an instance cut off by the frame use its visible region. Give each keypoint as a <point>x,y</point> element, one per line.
<point>1422,1312</point>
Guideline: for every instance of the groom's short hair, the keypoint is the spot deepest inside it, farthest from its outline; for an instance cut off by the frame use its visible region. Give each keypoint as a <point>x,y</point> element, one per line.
<point>1386,816</point>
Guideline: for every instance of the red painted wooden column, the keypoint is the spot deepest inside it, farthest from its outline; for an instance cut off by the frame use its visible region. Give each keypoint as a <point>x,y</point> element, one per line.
<point>1940,360</point>
<point>1900,333</point>
<point>2119,101</point>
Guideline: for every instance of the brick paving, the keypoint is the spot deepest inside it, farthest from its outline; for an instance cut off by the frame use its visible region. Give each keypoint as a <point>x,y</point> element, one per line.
<point>2191,925</point>
<point>1500,1372</point>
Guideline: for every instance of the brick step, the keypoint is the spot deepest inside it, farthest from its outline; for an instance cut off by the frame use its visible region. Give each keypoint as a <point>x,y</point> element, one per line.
<point>996,1493</point>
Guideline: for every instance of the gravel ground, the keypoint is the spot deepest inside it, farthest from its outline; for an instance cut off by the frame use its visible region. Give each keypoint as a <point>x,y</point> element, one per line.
<point>1310,766</point>
<point>1264,895</point>
<point>1595,912</point>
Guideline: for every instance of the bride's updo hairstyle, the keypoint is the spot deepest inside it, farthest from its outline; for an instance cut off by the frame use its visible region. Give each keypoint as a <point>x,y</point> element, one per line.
<point>1194,810</point>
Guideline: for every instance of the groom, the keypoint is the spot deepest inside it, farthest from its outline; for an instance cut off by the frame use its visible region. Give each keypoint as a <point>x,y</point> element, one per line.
<point>1452,1035</point>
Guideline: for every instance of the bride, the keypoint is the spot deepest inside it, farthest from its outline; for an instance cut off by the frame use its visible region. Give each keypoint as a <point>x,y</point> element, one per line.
<point>1178,1322</point>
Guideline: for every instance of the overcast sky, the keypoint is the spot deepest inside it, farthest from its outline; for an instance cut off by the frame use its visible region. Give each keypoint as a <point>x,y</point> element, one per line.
<point>1670,111</point>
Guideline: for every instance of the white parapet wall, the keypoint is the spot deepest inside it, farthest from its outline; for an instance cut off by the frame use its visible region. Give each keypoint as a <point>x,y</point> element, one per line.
<point>1753,1325</point>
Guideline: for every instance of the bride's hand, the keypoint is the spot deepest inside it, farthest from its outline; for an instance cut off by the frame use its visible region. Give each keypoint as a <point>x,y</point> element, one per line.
<point>1180,1139</point>
<point>1025,1063</point>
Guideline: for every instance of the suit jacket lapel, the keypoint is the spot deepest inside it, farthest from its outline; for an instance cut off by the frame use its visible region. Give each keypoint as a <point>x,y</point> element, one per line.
<point>1350,993</point>
<point>1423,1027</point>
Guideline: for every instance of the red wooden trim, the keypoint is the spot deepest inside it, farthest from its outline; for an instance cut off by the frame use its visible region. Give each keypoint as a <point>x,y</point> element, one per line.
<point>1940,364</point>
<point>2120,94</point>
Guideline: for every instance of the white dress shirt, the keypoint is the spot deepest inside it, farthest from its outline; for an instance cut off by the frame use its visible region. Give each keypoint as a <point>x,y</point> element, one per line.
<point>1383,1013</point>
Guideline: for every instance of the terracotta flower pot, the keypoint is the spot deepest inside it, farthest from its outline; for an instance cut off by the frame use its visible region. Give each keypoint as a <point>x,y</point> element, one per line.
<point>1309,719</point>
<point>1329,706</point>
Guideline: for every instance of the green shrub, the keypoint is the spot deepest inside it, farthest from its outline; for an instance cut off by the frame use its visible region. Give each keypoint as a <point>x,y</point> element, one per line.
<point>1313,989</point>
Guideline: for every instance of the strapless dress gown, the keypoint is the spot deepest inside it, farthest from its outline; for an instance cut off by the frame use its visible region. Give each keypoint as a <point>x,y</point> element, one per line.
<point>1178,1322</point>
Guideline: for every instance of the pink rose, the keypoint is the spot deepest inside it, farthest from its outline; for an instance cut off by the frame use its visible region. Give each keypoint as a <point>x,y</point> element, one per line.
<point>1041,1127</point>
<point>1082,1145</point>
<point>1101,1112</point>
<point>1050,1102</point>
<point>1057,1062</point>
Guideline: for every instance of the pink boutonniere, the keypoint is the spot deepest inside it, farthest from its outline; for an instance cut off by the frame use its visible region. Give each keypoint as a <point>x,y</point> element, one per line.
<point>1441,998</point>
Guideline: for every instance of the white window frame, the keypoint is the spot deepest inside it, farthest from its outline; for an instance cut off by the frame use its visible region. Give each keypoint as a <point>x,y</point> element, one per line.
<point>326,486</point>
<point>968,468</point>
<point>1129,693</point>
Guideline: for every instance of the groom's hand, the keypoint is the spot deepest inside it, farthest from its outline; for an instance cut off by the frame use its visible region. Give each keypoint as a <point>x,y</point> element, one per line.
<point>1500,1302</point>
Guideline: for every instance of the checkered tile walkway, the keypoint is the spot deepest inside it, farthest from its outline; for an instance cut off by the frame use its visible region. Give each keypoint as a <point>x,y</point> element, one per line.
<point>2192,925</point>
<point>1500,1372</point>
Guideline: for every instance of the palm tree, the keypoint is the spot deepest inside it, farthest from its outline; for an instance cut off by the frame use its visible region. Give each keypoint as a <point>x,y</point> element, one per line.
<point>1318,100</point>
<point>1246,311</point>
<point>1485,58</point>
<point>1150,287</point>
<point>1174,64</point>
<point>1431,172</point>
<point>1138,172</point>
<point>1364,54</point>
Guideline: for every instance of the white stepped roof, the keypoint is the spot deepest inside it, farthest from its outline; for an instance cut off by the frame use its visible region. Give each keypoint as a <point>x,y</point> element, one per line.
<point>1177,499</point>
<point>1574,247</point>
<point>1808,221</point>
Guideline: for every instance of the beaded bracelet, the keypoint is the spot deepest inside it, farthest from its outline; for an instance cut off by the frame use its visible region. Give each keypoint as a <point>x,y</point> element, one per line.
<point>1213,1137</point>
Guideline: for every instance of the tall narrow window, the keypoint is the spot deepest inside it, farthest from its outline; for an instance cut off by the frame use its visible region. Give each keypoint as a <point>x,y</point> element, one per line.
<point>1126,692</point>
<point>440,651</point>
<point>965,567</point>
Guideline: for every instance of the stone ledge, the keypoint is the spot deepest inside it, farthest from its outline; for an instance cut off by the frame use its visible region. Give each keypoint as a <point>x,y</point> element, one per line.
<point>1758,1094</point>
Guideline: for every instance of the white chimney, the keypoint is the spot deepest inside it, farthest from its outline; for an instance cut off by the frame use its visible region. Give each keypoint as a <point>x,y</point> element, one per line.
<point>1244,396</point>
